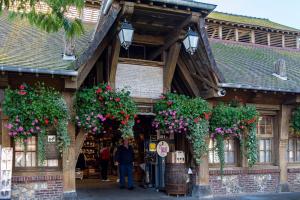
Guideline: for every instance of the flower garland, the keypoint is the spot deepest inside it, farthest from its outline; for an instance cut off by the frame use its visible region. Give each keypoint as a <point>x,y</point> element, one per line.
<point>183,115</point>
<point>234,121</point>
<point>94,106</point>
<point>32,111</point>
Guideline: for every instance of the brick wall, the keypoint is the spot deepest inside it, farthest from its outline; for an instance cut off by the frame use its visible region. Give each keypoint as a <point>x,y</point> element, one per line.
<point>37,187</point>
<point>294,180</point>
<point>244,181</point>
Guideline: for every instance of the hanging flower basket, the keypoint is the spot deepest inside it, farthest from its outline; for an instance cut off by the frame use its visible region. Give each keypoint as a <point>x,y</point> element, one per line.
<point>32,111</point>
<point>94,106</point>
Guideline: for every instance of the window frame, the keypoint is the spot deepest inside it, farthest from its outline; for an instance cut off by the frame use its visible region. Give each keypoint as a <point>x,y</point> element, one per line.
<point>37,167</point>
<point>236,154</point>
<point>296,150</point>
<point>264,137</point>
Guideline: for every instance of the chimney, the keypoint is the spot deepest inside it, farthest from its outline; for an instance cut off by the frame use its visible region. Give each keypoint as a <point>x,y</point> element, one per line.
<point>280,69</point>
<point>69,51</point>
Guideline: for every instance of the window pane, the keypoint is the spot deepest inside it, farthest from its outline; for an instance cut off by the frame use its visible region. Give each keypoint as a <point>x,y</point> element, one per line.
<point>291,145</point>
<point>261,156</point>
<point>52,163</point>
<point>29,159</point>
<point>298,156</point>
<point>231,157</point>
<point>268,156</point>
<point>20,159</point>
<point>268,145</point>
<point>291,156</point>
<point>261,145</point>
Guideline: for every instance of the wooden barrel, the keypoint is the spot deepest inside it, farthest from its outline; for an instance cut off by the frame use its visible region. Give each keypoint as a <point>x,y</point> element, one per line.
<point>175,179</point>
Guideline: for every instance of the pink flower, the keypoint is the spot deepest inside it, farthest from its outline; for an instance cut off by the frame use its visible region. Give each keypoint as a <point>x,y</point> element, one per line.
<point>20,129</point>
<point>9,126</point>
<point>38,128</point>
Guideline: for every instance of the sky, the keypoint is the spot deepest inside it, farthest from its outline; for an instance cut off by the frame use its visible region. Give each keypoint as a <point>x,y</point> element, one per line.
<point>286,12</point>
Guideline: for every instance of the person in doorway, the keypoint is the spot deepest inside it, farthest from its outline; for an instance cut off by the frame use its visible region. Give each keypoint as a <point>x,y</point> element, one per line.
<point>124,157</point>
<point>104,160</point>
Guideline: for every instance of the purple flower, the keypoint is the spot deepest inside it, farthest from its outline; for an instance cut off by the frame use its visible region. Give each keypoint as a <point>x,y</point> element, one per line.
<point>20,129</point>
<point>9,126</point>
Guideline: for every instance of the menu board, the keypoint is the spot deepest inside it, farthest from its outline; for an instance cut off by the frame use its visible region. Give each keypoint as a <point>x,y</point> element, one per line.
<point>142,81</point>
<point>6,172</point>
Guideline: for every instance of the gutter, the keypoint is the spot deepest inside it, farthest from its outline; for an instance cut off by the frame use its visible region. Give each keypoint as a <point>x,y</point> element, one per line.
<point>38,71</point>
<point>189,3</point>
<point>250,87</point>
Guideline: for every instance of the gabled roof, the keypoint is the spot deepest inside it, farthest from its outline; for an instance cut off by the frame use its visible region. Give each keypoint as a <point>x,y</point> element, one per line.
<point>252,21</point>
<point>29,49</point>
<point>251,66</point>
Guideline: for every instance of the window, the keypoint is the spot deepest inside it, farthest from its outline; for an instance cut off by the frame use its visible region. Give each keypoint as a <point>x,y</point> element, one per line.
<point>230,152</point>
<point>27,157</point>
<point>293,151</point>
<point>265,138</point>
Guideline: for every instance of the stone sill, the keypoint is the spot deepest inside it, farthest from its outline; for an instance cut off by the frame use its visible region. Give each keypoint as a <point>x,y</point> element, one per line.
<point>241,170</point>
<point>36,178</point>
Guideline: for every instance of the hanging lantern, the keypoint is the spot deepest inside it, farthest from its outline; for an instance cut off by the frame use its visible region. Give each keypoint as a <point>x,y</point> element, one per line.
<point>126,34</point>
<point>190,41</point>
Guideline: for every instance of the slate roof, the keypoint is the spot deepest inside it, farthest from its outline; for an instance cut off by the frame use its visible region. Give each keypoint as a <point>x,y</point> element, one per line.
<point>24,46</point>
<point>252,21</point>
<point>251,66</point>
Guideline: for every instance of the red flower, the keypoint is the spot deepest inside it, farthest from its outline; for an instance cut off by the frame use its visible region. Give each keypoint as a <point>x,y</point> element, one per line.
<point>108,88</point>
<point>169,103</point>
<point>123,122</point>
<point>112,117</point>
<point>138,121</point>
<point>22,92</point>
<point>46,121</point>
<point>122,112</point>
<point>127,117</point>
<point>196,120</point>
<point>22,87</point>
<point>118,99</point>
<point>207,115</point>
<point>135,116</point>
<point>99,91</point>
<point>162,97</point>
<point>100,98</point>
<point>107,116</point>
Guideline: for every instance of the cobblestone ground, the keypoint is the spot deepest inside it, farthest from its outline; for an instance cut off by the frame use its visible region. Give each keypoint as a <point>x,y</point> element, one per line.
<point>94,189</point>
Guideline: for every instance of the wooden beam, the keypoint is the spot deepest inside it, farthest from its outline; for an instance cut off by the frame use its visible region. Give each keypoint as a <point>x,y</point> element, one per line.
<point>203,79</point>
<point>80,138</point>
<point>114,61</point>
<point>148,39</point>
<point>172,37</point>
<point>171,65</point>
<point>187,76</point>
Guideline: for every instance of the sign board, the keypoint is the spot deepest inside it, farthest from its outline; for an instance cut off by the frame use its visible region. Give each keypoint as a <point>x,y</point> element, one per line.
<point>6,172</point>
<point>142,81</point>
<point>162,149</point>
<point>51,148</point>
<point>152,147</point>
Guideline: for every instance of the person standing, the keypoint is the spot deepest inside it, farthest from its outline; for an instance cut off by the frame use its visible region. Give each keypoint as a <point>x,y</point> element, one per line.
<point>104,160</point>
<point>124,157</point>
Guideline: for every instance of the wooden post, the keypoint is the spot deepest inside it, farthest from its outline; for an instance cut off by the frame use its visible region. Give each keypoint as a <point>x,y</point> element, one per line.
<point>284,118</point>
<point>69,161</point>
<point>252,37</point>
<point>202,187</point>
<point>236,34</point>
<point>6,141</point>
<point>283,40</point>
<point>269,39</point>
<point>220,32</point>
<point>114,62</point>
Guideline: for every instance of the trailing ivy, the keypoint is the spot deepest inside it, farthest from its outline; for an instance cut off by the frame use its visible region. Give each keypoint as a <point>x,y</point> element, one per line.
<point>32,111</point>
<point>94,106</point>
<point>296,121</point>
<point>184,115</point>
<point>234,121</point>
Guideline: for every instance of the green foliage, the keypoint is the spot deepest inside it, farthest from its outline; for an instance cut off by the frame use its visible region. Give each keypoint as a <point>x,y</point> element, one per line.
<point>182,114</point>
<point>96,105</point>
<point>51,21</point>
<point>296,121</point>
<point>34,110</point>
<point>235,121</point>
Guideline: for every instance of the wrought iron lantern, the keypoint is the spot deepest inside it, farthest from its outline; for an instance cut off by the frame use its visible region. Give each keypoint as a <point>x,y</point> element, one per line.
<point>126,34</point>
<point>190,41</point>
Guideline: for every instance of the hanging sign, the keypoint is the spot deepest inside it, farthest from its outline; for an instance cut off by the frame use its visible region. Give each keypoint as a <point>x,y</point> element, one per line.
<point>6,172</point>
<point>162,148</point>
<point>152,147</point>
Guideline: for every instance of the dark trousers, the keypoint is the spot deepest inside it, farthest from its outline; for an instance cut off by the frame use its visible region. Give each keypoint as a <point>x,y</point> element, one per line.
<point>104,166</point>
<point>126,169</point>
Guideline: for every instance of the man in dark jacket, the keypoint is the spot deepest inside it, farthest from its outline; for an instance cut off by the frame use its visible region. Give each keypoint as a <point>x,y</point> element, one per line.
<point>124,157</point>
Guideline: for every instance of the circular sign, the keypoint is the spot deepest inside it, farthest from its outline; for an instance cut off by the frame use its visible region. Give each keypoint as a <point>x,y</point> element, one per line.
<point>162,148</point>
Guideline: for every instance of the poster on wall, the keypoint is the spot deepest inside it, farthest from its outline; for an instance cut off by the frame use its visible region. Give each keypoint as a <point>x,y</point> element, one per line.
<point>6,172</point>
<point>162,149</point>
<point>142,81</point>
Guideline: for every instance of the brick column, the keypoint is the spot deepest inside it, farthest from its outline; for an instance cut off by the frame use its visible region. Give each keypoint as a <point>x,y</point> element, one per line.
<point>283,122</point>
<point>69,161</point>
